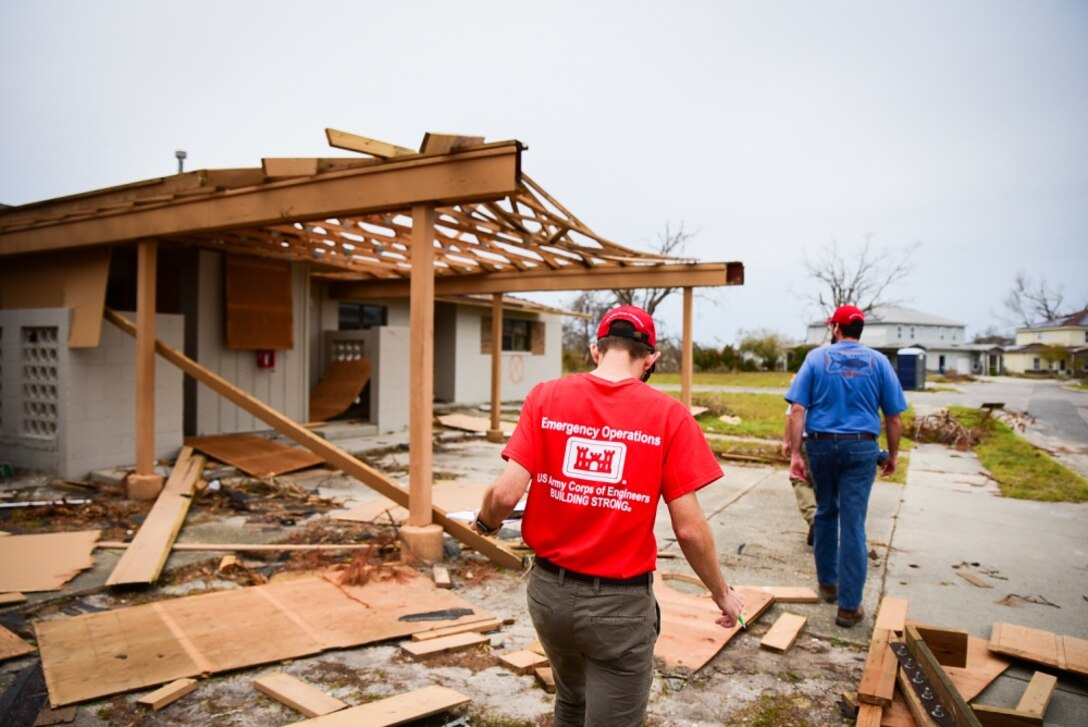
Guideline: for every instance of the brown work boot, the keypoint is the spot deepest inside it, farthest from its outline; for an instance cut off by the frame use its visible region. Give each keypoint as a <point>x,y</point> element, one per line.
<point>846,619</point>
<point>830,594</point>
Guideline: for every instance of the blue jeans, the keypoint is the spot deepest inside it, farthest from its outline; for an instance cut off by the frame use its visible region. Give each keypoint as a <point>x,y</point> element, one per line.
<point>842,475</point>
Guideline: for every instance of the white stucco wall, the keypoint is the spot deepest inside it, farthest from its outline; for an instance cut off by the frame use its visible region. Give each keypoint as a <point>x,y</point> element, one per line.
<point>521,370</point>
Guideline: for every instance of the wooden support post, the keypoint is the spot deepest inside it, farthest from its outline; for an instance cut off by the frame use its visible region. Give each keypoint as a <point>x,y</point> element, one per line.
<point>494,434</point>
<point>145,483</point>
<point>424,538</point>
<point>686,364</point>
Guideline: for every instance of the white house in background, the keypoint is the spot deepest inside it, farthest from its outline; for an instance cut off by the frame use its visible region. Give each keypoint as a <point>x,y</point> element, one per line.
<point>1055,346</point>
<point>889,328</point>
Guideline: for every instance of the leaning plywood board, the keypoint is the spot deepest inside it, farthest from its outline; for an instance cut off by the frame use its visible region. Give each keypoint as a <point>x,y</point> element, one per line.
<point>98,654</point>
<point>12,646</point>
<point>145,557</point>
<point>338,389</point>
<point>30,563</point>
<point>1036,645</point>
<point>256,456</point>
<point>393,710</point>
<point>297,694</point>
<point>982,668</point>
<point>689,637</point>
<point>468,423</point>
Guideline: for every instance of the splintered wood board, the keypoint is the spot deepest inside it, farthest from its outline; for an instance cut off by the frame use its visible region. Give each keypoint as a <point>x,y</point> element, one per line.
<point>1036,645</point>
<point>143,560</point>
<point>297,694</point>
<point>469,423</point>
<point>12,646</point>
<point>31,563</point>
<point>168,694</point>
<point>444,644</point>
<point>524,661</point>
<point>689,637</point>
<point>784,632</point>
<point>393,710</point>
<point>982,668</point>
<point>338,389</point>
<point>98,654</point>
<point>256,456</point>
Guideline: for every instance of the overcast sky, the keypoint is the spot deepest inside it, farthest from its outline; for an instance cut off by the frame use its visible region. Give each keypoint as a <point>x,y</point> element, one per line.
<point>768,129</point>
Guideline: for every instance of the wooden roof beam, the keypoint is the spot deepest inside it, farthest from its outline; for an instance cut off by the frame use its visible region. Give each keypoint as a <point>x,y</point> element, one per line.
<point>469,176</point>
<point>698,275</point>
<point>366,145</point>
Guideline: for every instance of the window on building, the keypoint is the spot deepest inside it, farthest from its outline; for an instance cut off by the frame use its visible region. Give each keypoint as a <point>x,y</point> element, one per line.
<point>358,316</point>
<point>518,335</point>
<point>1035,363</point>
<point>912,332</point>
<point>899,331</point>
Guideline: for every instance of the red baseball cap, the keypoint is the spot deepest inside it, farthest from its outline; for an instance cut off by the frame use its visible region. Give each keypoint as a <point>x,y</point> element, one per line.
<point>846,314</point>
<point>640,319</point>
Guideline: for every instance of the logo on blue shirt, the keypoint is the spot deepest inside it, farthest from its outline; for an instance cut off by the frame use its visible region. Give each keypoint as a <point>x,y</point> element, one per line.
<point>850,366</point>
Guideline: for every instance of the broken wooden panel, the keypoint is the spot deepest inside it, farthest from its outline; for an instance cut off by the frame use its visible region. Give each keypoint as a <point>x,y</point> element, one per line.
<point>31,563</point>
<point>1036,645</point>
<point>98,654</point>
<point>689,637</point>
<point>338,389</point>
<point>256,456</point>
<point>297,694</point>
<point>12,646</point>
<point>146,555</point>
<point>393,710</point>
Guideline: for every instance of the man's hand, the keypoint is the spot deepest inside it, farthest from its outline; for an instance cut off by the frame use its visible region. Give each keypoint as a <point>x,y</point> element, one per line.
<point>786,445</point>
<point>731,605</point>
<point>889,466</point>
<point>798,471</point>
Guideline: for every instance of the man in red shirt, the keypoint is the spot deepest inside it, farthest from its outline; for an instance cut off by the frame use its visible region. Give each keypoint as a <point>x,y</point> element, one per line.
<point>601,449</point>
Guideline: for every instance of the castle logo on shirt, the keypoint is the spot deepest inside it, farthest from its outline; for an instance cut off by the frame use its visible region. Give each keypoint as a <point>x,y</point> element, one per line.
<point>589,459</point>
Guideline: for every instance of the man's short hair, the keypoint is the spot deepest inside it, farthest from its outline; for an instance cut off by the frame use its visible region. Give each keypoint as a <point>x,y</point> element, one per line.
<point>852,330</point>
<point>623,341</point>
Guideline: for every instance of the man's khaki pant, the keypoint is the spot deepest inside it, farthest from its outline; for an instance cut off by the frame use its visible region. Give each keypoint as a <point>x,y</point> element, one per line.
<point>600,642</point>
<point>804,494</point>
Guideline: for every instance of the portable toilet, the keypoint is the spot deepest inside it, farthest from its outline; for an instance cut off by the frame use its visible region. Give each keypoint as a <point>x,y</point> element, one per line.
<point>911,368</point>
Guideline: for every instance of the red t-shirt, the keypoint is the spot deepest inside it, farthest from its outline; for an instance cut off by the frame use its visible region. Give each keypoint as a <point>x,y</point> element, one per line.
<point>601,455</point>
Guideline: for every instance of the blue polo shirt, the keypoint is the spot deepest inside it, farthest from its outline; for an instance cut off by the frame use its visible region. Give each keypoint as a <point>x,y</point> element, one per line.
<point>844,387</point>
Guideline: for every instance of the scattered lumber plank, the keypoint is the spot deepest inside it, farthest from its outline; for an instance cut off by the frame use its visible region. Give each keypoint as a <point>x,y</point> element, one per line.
<point>12,646</point>
<point>546,678</point>
<point>892,614</point>
<point>441,576</point>
<point>167,694</point>
<point>877,684</point>
<point>297,694</point>
<point>948,645</point>
<point>146,555</point>
<point>1037,695</point>
<point>524,661</point>
<point>1042,647</point>
<point>479,627</point>
<point>975,580</point>
<point>393,710</point>
<point>989,716</point>
<point>783,633</point>
<point>444,644</point>
<point>869,715</point>
<point>365,145</point>
<point>788,594</point>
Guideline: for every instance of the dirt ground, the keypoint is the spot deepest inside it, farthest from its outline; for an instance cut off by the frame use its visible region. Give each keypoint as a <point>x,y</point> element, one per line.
<point>742,685</point>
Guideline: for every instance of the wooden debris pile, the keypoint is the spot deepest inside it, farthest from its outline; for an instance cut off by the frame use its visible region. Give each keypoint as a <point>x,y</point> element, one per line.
<point>942,428</point>
<point>929,676</point>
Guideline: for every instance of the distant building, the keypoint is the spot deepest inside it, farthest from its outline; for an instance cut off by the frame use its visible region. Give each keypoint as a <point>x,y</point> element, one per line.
<point>1058,346</point>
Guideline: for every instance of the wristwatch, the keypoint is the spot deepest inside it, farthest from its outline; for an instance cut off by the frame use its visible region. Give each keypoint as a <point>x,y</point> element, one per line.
<point>483,528</point>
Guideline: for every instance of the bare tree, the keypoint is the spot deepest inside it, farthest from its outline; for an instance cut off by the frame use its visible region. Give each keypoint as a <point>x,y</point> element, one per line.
<point>671,244</point>
<point>862,279</point>
<point>1029,302</point>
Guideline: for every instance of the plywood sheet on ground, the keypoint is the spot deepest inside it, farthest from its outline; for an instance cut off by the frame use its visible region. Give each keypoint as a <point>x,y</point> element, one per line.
<point>1041,647</point>
<point>689,637</point>
<point>31,563</point>
<point>256,456</point>
<point>98,654</point>
<point>450,495</point>
<point>474,424</point>
<point>982,668</point>
<point>393,710</point>
<point>338,389</point>
<point>12,646</point>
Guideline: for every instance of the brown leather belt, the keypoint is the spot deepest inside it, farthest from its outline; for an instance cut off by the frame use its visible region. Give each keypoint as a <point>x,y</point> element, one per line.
<point>640,580</point>
<point>830,435</point>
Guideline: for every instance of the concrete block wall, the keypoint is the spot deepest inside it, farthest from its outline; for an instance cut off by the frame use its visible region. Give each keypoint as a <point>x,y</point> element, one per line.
<point>92,413</point>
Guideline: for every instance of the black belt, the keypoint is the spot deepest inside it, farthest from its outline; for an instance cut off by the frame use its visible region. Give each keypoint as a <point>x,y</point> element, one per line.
<point>640,580</point>
<point>830,435</point>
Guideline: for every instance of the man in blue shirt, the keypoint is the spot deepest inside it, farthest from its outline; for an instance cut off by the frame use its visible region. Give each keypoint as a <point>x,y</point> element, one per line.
<point>836,400</point>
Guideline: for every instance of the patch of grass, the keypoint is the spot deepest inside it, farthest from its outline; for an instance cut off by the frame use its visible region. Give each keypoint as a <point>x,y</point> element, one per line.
<point>762,416</point>
<point>1077,387</point>
<point>1022,470</point>
<point>774,710</point>
<point>754,379</point>
<point>936,389</point>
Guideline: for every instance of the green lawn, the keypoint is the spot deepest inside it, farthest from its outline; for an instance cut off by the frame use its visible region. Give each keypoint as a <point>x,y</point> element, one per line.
<point>754,379</point>
<point>1022,470</point>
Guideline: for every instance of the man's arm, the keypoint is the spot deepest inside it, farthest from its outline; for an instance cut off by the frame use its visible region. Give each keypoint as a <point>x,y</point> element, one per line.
<point>797,430</point>
<point>503,495</point>
<point>786,437</point>
<point>697,543</point>
<point>893,428</point>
